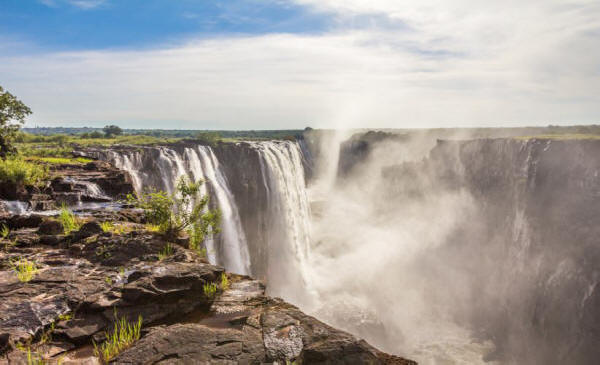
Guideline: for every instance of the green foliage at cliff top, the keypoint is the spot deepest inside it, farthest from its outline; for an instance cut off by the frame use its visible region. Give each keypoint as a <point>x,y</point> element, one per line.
<point>19,171</point>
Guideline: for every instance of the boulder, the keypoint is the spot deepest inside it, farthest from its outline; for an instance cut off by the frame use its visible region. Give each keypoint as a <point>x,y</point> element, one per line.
<point>50,227</point>
<point>89,229</point>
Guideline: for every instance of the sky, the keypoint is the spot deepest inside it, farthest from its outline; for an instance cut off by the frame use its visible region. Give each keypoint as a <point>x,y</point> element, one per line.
<point>282,64</point>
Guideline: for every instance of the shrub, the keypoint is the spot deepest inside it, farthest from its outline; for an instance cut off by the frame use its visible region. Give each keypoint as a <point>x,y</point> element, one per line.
<point>24,269</point>
<point>68,220</point>
<point>121,338</point>
<point>184,210</point>
<point>19,171</point>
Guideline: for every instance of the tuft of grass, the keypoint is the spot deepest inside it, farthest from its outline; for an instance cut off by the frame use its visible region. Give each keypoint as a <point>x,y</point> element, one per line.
<point>68,220</point>
<point>224,282</point>
<point>65,317</point>
<point>166,252</point>
<point>24,269</point>
<point>19,171</point>
<point>107,226</point>
<point>4,231</point>
<point>210,289</point>
<point>34,359</point>
<point>152,227</point>
<point>121,338</point>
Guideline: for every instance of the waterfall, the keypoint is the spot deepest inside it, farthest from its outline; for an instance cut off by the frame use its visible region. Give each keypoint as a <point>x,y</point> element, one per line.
<point>16,207</point>
<point>161,167</point>
<point>288,218</point>
<point>204,165</point>
<point>272,218</point>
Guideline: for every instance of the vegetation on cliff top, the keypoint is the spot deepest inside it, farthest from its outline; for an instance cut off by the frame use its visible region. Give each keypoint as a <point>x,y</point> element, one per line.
<point>18,171</point>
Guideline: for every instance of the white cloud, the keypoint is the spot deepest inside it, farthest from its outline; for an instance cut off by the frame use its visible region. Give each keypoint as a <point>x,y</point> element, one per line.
<point>461,63</point>
<point>87,4</point>
<point>82,4</point>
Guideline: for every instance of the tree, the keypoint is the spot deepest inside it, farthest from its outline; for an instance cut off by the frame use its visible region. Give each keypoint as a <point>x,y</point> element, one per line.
<point>112,130</point>
<point>210,138</point>
<point>12,116</point>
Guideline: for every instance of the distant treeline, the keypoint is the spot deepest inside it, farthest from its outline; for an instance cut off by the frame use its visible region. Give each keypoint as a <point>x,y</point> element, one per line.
<point>172,133</point>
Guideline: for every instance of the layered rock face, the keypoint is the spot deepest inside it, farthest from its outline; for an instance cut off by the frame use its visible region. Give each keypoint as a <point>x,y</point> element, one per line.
<point>531,253</point>
<point>84,280</point>
<point>72,184</point>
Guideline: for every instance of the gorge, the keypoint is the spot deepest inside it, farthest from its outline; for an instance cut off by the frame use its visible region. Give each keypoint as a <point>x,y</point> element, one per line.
<point>447,251</point>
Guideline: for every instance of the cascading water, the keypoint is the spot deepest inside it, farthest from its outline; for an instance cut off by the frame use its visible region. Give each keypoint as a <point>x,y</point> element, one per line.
<point>282,209</point>
<point>204,165</point>
<point>160,168</point>
<point>288,238</point>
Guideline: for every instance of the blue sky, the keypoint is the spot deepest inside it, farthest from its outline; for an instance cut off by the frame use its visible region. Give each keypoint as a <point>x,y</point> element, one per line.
<point>89,24</point>
<point>263,64</point>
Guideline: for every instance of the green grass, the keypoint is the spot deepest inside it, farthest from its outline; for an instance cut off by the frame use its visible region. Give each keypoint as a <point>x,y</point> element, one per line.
<point>210,289</point>
<point>4,231</point>
<point>121,338</point>
<point>166,252</point>
<point>24,269</point>
<point>34,359</point>
<point>107,226</point>
<point>19,171</point>
<point>224,282</point>
<point>68,220</point>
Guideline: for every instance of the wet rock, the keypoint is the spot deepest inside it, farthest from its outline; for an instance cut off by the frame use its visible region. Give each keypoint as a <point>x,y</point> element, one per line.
<point>50,227</point>
<point>89,229</point>
<point>69,199</point>
<point>22,221</point>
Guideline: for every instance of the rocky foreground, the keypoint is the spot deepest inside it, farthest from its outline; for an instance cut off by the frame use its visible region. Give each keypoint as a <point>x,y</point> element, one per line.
<point>83,280</point>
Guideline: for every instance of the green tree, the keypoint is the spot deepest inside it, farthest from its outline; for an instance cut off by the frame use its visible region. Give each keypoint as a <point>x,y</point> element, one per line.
<point>112,130</point>
<point>12,117</point>
<point>210,138</point>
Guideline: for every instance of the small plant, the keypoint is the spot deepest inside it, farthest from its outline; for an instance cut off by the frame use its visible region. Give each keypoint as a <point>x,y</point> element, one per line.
<point>166,252</point>
<point>8,244</point>
<point>34,359</point>
<point>65,317</point>
<point>47,335</point>
<point>4,231</point>
<point>108,280</point>
<point>24,269</point>
<point>201,252</point>
<point>68,220</point>
<point>104,251</point>
<point>210,289</point>
<point>122,337</point>
<point>224,282</point>
<point>152,227</point>
<point>107,226</point>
